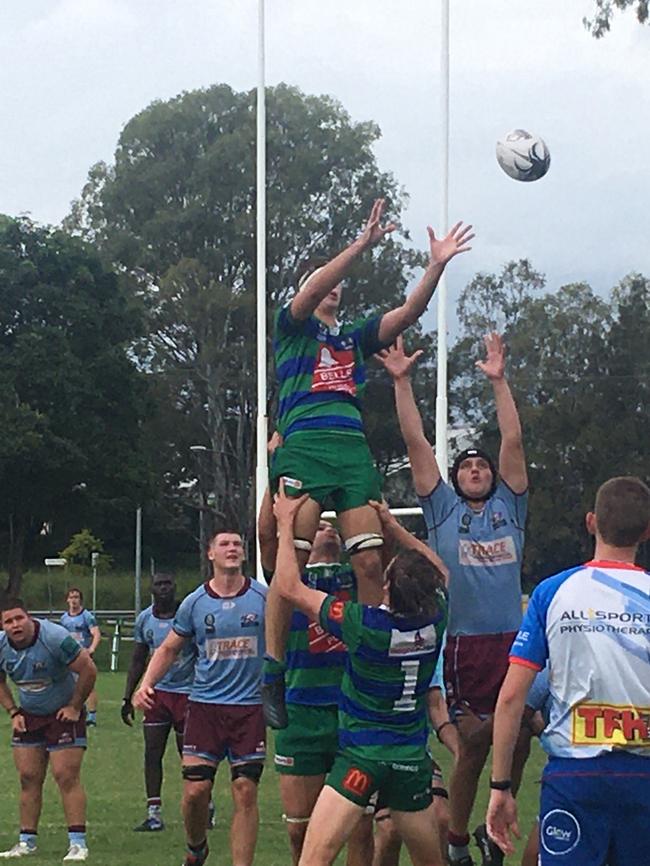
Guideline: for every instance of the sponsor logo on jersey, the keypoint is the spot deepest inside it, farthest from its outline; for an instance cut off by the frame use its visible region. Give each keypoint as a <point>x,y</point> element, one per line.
<point>337,609</point>
<point>39,666</point>
<point>209,621</point>
<point>334,370</point>
<point>222,648</point>
<point>34,687</point>
<point>465,523</point>
<point>417,642</point>
<point>591,621</point>
<point>321,641</point>
<point>498,519</point>
<point>610,725</point>
<point>501,551</point>
<point>250,619</point>
<point>559,832</point>
<point>356,782</point>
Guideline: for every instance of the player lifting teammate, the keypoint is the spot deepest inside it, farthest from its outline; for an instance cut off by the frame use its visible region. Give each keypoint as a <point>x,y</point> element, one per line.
<point>382,712</point>
<point>591,624</point>
<point>54,676</point>
<point>476,524</point>
<point>320,365</point>
<point>224,620</point>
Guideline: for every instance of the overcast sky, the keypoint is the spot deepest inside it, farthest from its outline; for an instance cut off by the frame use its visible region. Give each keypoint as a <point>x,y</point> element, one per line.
<point>75,71</point>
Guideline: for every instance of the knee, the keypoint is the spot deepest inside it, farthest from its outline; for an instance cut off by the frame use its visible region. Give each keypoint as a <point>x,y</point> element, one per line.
<point>244,793</point>
<point>66,780</point>
<point>368,564</point>
<point>31,781</point>
<point>196,793</point>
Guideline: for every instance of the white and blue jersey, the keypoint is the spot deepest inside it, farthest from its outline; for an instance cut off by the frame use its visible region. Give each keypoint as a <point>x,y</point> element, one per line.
<point>483,551</point>
<point>40,671</point>
<point>228,634</point>
<point>79,625</point>
<point>592,624</point>
<point>151,631</point>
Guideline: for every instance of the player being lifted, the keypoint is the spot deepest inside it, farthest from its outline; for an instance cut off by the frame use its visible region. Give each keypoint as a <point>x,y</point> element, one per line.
<point>320,365</point>
<point>383,729</point>
<point>476,524</point>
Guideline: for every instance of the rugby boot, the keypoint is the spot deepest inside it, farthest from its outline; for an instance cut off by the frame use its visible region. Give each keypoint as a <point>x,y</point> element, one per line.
<point>491,854</point>
<point>151,824</point>
<point>192,859</point>
<point>76,853</point>
<point>20,849</point>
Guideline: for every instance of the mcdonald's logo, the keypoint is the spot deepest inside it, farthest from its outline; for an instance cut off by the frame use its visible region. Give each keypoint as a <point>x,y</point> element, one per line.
<point>357,782</point>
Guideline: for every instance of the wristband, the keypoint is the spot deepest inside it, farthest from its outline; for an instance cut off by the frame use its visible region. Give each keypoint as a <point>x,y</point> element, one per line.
<point>440,728</point>
<point>13,712</point>
<point>500,785</point>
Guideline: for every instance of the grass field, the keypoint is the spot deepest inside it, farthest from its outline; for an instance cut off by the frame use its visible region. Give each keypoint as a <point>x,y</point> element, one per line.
<point>114,784</point>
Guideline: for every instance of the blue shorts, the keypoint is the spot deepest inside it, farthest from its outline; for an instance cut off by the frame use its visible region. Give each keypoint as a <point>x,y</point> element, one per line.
<point>595,811</point>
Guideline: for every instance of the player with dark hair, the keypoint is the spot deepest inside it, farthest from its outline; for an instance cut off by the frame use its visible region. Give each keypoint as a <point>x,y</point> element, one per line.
<point>54,676</point>
<point>476,524</point>
<point>82,625</point>
<point>320,365</point>
<point>224,620</point>
<point>171,692</point>
<point>591,625</point>
<point>383,728</point>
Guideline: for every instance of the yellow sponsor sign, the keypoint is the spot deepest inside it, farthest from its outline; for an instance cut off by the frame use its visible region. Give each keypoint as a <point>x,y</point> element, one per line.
<point>610,725</point>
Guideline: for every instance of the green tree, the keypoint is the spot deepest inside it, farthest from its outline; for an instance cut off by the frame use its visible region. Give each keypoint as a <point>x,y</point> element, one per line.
<point>580,369</point>
<point>601,23</point>
<point>70,397</point>
<point>176,212</point>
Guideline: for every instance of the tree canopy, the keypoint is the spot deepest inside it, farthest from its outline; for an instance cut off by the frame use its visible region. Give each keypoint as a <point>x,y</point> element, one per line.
<point>601,23</point>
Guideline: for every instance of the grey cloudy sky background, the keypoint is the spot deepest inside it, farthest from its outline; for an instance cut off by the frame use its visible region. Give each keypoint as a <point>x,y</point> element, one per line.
<point>75,71</point>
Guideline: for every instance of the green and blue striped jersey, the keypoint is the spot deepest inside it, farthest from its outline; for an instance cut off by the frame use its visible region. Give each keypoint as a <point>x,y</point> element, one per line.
<point>391,660</point>
<point>315,658</point>
<point>321,372</point>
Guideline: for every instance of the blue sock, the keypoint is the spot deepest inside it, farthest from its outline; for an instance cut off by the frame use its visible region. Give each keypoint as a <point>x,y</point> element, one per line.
<point>76,837</point>
<point>92,715</point>
<point>28,837</point>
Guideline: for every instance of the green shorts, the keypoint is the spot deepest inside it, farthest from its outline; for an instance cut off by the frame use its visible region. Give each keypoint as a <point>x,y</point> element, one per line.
<point>405,785</point>
<point>334,468</point>
<point>309,743</point>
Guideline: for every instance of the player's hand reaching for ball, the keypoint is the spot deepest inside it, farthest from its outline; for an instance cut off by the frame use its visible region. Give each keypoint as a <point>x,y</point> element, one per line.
<point>374,231</point>
<point>286,507</point>
<point>127,712</point>
<point>144,698</point>
<point>442,250</point>
<point>494,365</point>
<point>395,360</point>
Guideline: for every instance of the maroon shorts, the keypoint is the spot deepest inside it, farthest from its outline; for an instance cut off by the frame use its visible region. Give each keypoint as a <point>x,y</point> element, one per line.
<point>475,667</point>
<point>218,731</point>
<point>49,733</point>
<point>169,709</point>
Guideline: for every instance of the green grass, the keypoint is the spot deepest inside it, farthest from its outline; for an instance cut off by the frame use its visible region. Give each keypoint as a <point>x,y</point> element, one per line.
<point>113,778</point>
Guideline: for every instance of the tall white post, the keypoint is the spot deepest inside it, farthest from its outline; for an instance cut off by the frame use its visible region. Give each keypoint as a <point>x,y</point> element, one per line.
<point>138,561</point>
<point>261,473</point>
<point>441,396</point>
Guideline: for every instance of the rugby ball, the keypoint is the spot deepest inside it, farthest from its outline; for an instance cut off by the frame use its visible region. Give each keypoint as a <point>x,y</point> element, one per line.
<point>523,156</point>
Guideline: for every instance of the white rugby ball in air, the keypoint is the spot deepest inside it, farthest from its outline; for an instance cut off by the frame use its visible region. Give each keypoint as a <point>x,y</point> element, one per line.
<point>523,156</point>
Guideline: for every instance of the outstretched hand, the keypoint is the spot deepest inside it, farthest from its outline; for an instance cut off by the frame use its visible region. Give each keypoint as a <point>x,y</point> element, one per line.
<point>286,507</point>
<point>442,250</point>
<point>374,231</point>
<point>494,365</point>
<point>395,360</point>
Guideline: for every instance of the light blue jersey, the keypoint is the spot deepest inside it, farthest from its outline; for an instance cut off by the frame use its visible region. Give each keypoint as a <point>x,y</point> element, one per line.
<point>438,678</point>
<point>483,552</point>
<point>228,634</point>
<point>151,631</point>
<point>79,626</point>
<point>40,670</point>
<point>539,695</point>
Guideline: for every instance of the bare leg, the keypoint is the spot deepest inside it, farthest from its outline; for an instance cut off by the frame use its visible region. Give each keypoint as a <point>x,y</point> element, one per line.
<point>91,702</point>
<point>333,820</point>
<point>441,815</point>
<point>361,843</point>
<point>66,769</point>
<point>531,852</point>
<point>245,821</point>
<point>418,830</point>
<point>299,795</point>
<point>155,740</point>
<point>366,563</point>
<point>196,797</point>
<point>387,841</point>
<point>474,740</point>
<point>31,763</point>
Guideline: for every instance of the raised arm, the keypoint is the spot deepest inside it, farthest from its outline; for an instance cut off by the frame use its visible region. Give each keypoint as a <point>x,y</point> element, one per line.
<point>424,467</point>
<point>441,251</point>
<point>287,572</point>
<point>321,282</point>
<point>512,460</point>
<point>401,537</point>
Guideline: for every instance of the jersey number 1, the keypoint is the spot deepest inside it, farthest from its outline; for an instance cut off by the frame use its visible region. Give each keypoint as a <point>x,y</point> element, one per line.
<point>406,701</point>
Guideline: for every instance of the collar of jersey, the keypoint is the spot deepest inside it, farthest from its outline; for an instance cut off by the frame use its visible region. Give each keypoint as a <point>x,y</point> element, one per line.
<point>606,563</point>
<point>242,591</point>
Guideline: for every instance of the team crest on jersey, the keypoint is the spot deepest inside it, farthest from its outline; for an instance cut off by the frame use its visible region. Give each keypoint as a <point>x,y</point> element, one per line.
<point>249,619</point>
<point>498,519</point>
<point>334,370</point>
<point>39,666</point>
<point>209,621</point>
<point>149,635</point>
<point>465,523</point>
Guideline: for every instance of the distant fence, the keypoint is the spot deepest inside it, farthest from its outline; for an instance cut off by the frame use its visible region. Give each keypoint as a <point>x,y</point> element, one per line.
<point>120,621</point>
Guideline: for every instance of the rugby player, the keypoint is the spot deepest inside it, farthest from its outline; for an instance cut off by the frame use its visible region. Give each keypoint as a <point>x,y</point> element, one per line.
<point>306,748</point>
<point>320,365</point>
<point>82,625</point>
<point>54,676</point>
<point>224,620</point>
<point>382,712</point>
<point>476,524</point>
<point>591,624</point>
<point>151,628</point>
